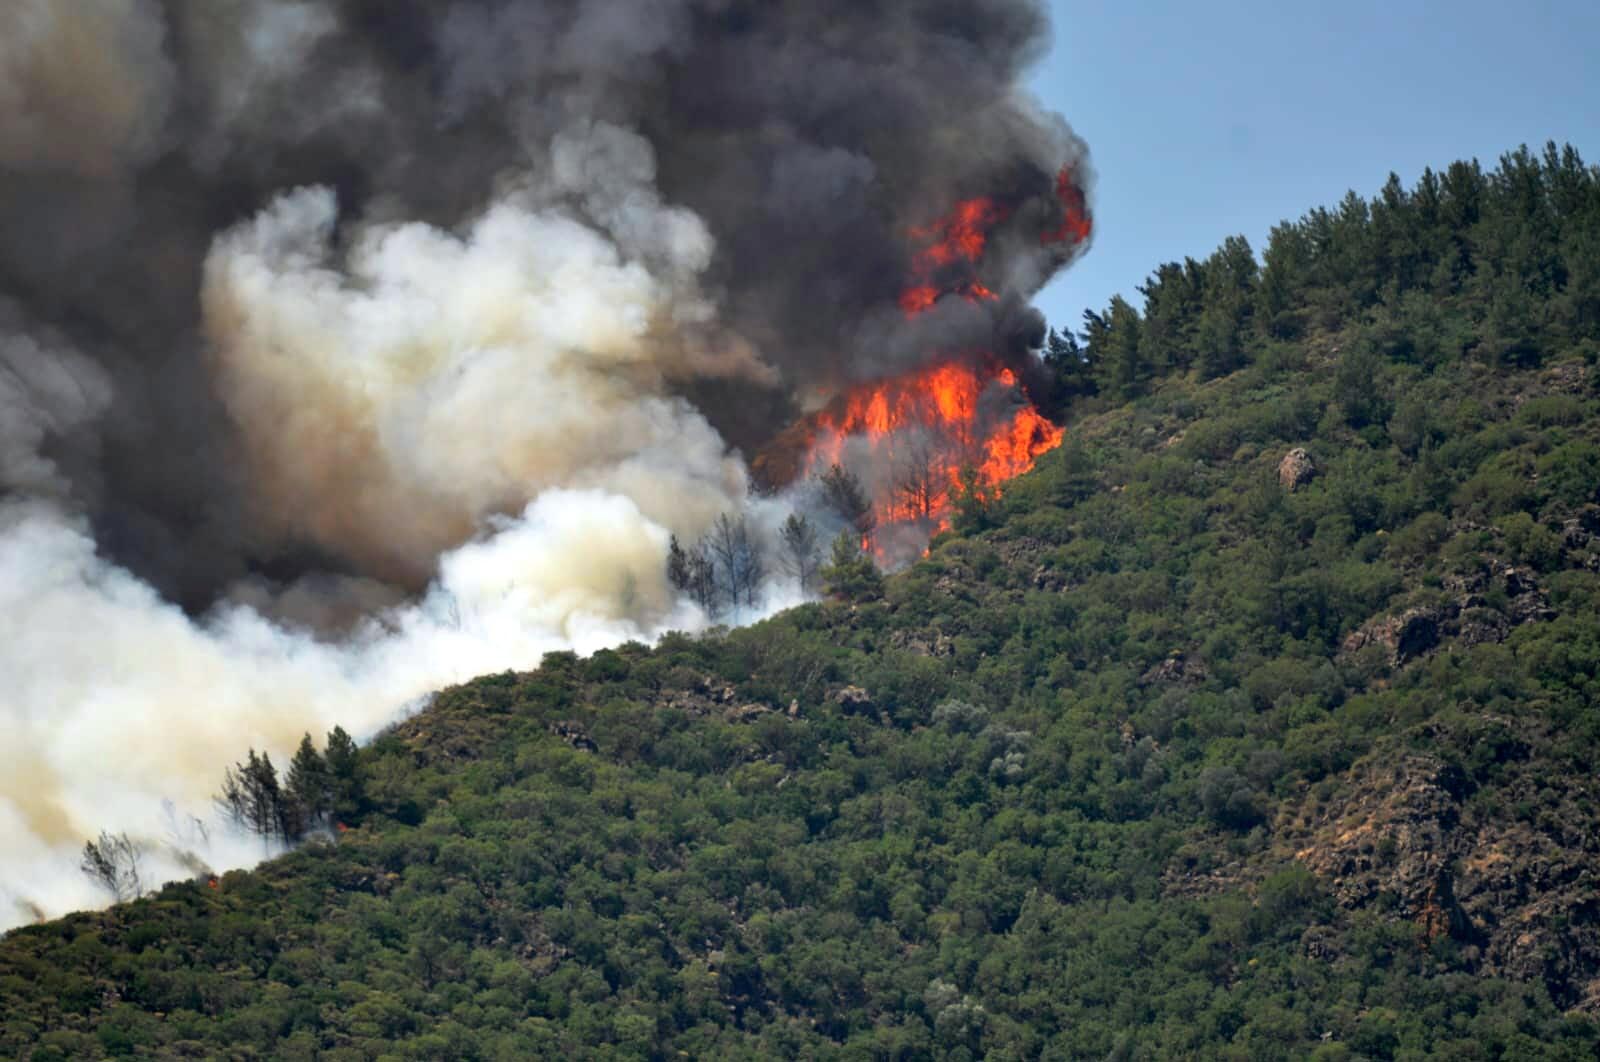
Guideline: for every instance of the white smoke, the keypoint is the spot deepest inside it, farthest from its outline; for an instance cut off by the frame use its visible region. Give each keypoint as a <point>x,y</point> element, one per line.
<point>450,377</point>
<point>486,411</point>
<point>116,701</point>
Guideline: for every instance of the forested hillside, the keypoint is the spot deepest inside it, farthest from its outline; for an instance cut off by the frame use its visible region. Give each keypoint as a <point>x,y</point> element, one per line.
<point>1258,721</point>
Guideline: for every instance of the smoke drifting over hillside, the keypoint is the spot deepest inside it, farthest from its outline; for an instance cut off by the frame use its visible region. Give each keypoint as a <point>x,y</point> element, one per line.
<point>349,348</point>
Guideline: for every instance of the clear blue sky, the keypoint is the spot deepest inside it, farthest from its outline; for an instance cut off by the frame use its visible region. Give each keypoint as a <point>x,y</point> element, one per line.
<point>1207,120</point>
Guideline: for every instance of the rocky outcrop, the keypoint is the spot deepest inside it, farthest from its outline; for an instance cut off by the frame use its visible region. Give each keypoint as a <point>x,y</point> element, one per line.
<point>574,734</point>
<point>1177,668</point>
<point>1391,840</point>
<point>853,700</point>
<point>1580,538</point>
<point>1296,469</point>
<point>747,713</point>
<point>705,696</point>
<point>1404,637</point>
<point>1517,887</point>
<point>1470,616</point>
<point>924,643</point>
<point>1049,580</point>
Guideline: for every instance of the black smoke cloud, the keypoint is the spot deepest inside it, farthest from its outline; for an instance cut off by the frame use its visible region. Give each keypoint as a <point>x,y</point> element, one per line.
<point>809,137</point>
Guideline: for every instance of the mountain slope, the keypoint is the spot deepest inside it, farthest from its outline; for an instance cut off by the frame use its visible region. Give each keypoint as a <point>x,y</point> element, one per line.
<point>1257,722</point>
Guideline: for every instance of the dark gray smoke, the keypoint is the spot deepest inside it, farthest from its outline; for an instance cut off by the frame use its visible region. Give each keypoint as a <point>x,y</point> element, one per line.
<point>808,137</point>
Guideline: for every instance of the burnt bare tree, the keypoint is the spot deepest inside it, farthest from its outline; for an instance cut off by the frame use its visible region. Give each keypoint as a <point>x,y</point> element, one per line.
<point>738,561</point>
<point>920,481</point>
<point>692,572</point>
<point>801,556</point>
<point>185,831</point>
<point>112,862</point>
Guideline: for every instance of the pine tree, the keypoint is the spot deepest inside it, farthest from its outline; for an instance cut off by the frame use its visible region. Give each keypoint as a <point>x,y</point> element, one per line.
<point>1230,295</point>
<point>850,573</point>
<point>678,567</point>
<point>703,579</point>
<point>310,792</point>
<point>1172,307</point>
<point>1122,369</point>
<point>346,777</point>
<point>694,572</point>
<point>252,798</point>
<point>973,503</point>
<point>1064,357</point>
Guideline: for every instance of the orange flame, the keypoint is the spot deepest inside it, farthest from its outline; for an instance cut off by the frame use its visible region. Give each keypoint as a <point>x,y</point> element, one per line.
<point>926,428</point>
<point>1076,223</point>
<point>947,261</point>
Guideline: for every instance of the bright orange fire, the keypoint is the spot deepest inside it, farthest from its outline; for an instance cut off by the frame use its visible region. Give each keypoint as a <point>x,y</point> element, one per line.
<point>925,428</point>
<point>947,261</point>
<point>919,433</point>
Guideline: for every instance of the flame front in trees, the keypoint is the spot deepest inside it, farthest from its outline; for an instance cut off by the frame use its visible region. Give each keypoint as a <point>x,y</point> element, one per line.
<point>914,439</point>
<point>920,431</point>
<point>949,251</point>
<point>947,259</point>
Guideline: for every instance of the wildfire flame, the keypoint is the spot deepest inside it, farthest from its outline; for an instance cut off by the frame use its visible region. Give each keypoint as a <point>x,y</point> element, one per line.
<point>1076,224</point>
<point>948,260</point>
<point>921,433</point>
<point>926,428</point>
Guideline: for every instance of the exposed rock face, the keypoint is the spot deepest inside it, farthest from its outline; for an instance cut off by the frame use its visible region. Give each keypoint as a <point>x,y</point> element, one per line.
<point>1296,469</point>
<point>1393,839</point>
<point>704,697</point>
<point>1048,580</point>
<point>1520,893</point>
<point>574,734</point>
<point>1580,537</point>
<point>929,643</point>
<point>746,713</point>
<point>1404,637</point>
<point>854,700</point>
<point>1176,668</point>
<point>1468,617</point>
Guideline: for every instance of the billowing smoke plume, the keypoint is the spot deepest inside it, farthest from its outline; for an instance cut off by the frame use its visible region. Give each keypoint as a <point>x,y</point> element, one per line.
<point>457,376</point>
<point>353,347</point>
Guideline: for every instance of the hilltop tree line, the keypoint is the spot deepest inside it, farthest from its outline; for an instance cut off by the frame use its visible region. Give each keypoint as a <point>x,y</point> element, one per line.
<point>1500,265</point>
